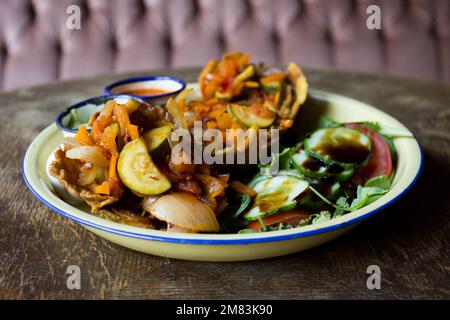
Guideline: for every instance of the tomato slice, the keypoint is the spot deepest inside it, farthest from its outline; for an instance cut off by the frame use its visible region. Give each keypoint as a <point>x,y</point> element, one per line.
<point>292,217</point>
<point>380,162</point>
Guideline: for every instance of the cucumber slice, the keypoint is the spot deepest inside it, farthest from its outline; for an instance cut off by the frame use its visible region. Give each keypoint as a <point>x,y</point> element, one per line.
<point>243,115</point>
<point>316,169</point>
<point>156,139</point>
<point>138,172</point>
<point>341,146</point>
<point>275,194</point>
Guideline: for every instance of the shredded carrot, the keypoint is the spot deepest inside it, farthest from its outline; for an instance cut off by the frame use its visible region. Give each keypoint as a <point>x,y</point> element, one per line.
<point>224,177</point>
<point>103,120</point>
<point>133,131</point>
<point>82,137</point>
<point>217,112</point>
<point>108,139</point>
<point>113,165</point>
<point>103,188</point>
<point>224,121</point>
<point>211,124</point>
<point>251,84</point>
<point>121,113</point>
<point>93,118</point>
<point>273,77</point>
<point>242,188</point>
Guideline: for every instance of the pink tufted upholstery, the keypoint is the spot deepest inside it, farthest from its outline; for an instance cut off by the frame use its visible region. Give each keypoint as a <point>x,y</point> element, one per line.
<point>125,35</point>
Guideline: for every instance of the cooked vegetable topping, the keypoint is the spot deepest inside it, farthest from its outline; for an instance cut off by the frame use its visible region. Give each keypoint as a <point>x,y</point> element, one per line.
<point>138,172</point>
<point>248,116</point>
<point>123,167</point>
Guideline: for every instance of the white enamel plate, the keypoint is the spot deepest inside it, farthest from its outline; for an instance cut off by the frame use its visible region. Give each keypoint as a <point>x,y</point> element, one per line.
<point>232,247</point>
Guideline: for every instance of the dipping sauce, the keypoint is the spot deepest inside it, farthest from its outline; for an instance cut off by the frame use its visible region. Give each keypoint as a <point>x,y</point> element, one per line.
<point>145,92</point>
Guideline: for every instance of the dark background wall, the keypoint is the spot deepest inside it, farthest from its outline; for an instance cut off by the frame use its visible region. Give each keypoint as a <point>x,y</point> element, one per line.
<point>127,35</point>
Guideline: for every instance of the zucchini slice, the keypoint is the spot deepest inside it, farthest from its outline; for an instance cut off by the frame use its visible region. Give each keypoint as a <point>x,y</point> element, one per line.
<point>275,194</point>
<point>341,146</point>
<point>244,116</point>
<point>316,169</point>
<point>156,139</point>
<point>224,96</point>
<point>244,75</point>
<point>138,172</point>
<point>271,86</point>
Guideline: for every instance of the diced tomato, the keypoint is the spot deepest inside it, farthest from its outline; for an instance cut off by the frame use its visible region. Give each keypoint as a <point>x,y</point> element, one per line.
<point>380,162</point>
<point>292,217</point>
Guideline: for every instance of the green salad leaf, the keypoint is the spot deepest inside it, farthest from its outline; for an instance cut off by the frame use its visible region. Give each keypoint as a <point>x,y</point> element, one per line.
<point>325,122</point>
<point>245,202</point>
<point>244,231</point>
<point>321,217</point>
<point>372,190</point>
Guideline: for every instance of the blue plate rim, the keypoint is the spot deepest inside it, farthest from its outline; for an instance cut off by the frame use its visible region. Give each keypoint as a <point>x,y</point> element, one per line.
<point>108,87</point>
<point>245,241</point>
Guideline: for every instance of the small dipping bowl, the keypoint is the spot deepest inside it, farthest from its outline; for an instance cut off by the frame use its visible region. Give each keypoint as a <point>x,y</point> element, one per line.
<point>153,89</point>
<point>84,110</point>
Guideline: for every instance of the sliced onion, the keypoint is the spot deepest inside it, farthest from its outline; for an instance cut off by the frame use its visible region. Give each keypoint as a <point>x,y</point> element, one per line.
<point>90,154</point>
<point>191,116</point>
<point>185,211</point>
<point>148,202</point>
<point>101,174</point>
<point>177,113</point>
<point>70,143</point>
<point>87,175</point>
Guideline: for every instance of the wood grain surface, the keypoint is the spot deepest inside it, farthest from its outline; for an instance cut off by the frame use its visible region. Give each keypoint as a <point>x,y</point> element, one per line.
<point>409,241</point>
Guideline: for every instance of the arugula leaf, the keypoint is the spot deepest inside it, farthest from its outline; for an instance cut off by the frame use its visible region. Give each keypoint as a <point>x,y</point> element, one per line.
<point>244,231</point>
<point>325,122</point>
<point>372,190</point>
<point>375,126</point>
<point>324,199</point>
<point>305,222</point>
<point>245,201</point>
<point>383,130</point>
<point>379,182</point>
<point>284,157</point>
<point>341,203</point>
<point>321,217</point>
<point>278,161</point>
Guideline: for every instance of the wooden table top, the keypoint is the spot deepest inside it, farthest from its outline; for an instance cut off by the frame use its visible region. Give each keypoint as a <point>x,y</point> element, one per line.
<point>408,241</point>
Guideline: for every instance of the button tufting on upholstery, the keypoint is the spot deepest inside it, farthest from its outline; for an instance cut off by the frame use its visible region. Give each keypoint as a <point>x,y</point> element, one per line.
<point>125,35</point>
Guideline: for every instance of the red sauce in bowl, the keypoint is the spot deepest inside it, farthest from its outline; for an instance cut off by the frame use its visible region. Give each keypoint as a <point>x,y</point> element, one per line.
<point>145,92</point>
